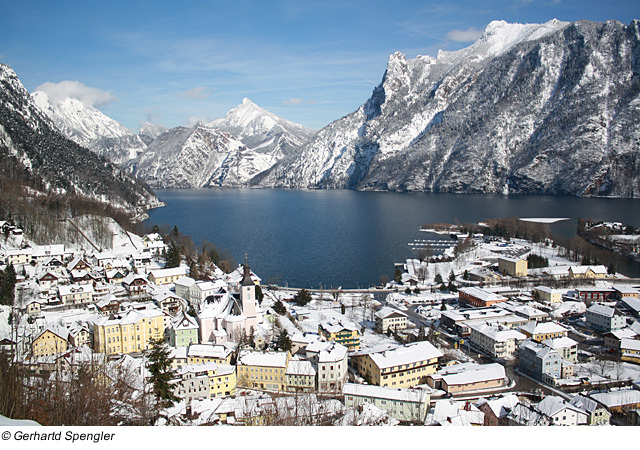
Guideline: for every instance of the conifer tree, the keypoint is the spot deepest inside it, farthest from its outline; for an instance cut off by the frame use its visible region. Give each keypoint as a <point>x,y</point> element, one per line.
<point>159,365</point>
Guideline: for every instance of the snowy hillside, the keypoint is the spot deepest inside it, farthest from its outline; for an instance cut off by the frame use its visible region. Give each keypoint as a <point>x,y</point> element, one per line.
<point>88,127</point>
<point>538,108</point>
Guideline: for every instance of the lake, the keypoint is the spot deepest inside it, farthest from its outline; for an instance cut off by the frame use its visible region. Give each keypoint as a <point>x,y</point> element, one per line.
<point>350,238</point>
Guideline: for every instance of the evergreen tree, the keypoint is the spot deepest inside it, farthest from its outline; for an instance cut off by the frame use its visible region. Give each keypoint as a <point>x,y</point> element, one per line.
<point>173,255</point>
<point>8,286</point>
<point>259,294</point>
<point>397,276</point>
<point>452,276</point>
<point>283,342</point>
<point>443,305</point>
<point>438,279</point>
<point>159,365</point>
<point>193,270</point>
<point>279,308</point>
<point>302,297</point>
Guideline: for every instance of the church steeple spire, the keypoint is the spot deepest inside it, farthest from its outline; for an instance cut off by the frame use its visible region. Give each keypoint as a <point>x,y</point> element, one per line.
<point>246,278</point>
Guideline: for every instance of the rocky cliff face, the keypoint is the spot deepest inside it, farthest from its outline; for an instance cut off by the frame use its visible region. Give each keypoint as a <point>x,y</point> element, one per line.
<point>546,109</point>
<point>32,148</point>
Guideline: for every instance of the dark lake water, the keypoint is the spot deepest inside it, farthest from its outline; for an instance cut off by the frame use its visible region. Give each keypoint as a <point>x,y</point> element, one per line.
<point>350,238</point>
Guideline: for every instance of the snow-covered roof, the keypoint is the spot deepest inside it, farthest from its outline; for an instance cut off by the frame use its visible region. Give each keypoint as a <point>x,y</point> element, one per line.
<point>185,281</point>
<point>534,328</point>
<point>501,406</point>
<point>336,326</point>
<point>172,272</point>
<point>475,374</point>
<point>371,391</point>
<point>617,398</point>
<point>482,294</point>
<point>388,311</point>
<point>630,344</point>
<point>552,405</point>
<point>208,351</point>
<point>130,317</point>
<point>561,342</point>
<point>299,367</point>
<point>623,289</point>
<point>410,353</point>
<point>184,322</point>
<point>71,289</point>
<point>263,359</point>
<point>498,333</point>
<point>601,310</point>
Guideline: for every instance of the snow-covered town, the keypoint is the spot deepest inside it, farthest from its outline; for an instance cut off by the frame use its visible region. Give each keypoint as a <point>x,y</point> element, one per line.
<point>469,335</point>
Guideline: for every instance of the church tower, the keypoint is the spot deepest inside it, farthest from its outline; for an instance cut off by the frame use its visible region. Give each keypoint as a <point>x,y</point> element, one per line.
<point>248,296</point>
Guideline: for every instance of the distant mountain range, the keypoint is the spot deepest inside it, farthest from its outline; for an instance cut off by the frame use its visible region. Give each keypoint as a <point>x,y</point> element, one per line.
<point>548,108</point>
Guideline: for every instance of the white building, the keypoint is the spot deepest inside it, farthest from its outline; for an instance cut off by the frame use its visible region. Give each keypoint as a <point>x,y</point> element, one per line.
<point>391,318</point>
<point>496,340</point>
<point>330,359</point>
<point>605,319</point>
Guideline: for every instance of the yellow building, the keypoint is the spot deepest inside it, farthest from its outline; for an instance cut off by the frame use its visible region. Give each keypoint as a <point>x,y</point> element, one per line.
<point>167,276</point>
<point>544,330</point>
<point>342,332</point>
<point>516,267</point>
<point>588,271</point>
<point>128,332</point>
<point>222,380</point>
<point>53,340</point>
<point>548,295</point>
<point>262,370</point>
<point>205,353</point>
<point>402,367</point>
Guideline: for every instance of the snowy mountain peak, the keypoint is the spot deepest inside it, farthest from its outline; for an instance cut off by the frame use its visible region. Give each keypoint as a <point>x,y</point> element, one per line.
<point>90,128</point>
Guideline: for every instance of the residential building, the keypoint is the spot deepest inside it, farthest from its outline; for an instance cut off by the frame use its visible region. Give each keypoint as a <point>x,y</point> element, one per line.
<point>597,414</point>
<point>206,381</point>
<point>300,376</point>
<point>128,331</point>
<point>76,294</point>
<point>618,402</point>
<point>183,287</point>
<point>184,330</point>
<point>566,347</point>
<point>515,267</point>
<point>630,350</point>
<point>166,276</point>
<point>539,361</point>
<point>262,370</point>
<point>343,332</point>
<point>330,359</point>
<point>460,321</point>
<point>562,413</point>
<point>479,298</point>
<point>401,367</point>
<point>135,284</point>
<point>604,318</point>
<point>497,409</point>
<point>588,271</point>
<point>52,340</point>
<point>405,405</point>
<point>390,318</point>
<point>623,292</point>
<point>202,353</point>
<point>497,341</point>
<point>545,330</point>
<point>17,257</point>
<point>222,380</point>
<point>548,295</point>
<point>468,377</point>
<point>200,290</point>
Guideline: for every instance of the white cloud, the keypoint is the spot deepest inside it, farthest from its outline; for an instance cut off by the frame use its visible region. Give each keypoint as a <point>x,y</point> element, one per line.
<point>297,102</point>
<point>89,96</point>
<point>200,92</point>
<point>468,35</point>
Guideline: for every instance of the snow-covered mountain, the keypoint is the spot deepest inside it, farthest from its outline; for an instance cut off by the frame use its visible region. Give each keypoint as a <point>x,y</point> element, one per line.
<point>200,156</point>
<point>228,152</point>
<point>263,131</point>
<point>34,150</point>
<point>150,131</point>
<point>548,108</point>
<point>92,129</point>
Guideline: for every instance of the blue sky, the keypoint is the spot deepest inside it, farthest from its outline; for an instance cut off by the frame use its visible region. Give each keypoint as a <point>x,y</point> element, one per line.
<point>310,62</point>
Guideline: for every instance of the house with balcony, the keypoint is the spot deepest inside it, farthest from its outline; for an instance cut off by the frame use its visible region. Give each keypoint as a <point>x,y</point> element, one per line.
<point>390,318</point>
<point>405,405</point>
<point>544,330</point>
<point>539,361</point>
<point>496,340</point>
<point>340,331</point>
